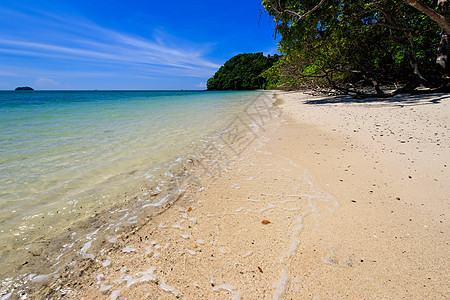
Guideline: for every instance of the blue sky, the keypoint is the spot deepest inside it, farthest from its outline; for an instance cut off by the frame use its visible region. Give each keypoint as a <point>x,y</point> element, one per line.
<point>126,44</point>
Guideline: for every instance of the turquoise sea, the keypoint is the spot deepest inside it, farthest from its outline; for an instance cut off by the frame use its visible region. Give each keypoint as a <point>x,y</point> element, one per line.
<point>67,156</point>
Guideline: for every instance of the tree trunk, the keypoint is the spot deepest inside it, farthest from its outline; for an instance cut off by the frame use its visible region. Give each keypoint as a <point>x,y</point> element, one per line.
<point>442,63</point>
<point>442,56</point>
<point>441,19</point>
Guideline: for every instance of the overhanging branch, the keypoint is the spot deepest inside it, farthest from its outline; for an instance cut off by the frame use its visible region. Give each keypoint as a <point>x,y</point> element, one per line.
<point>436,17</point>
<point>278,8</point>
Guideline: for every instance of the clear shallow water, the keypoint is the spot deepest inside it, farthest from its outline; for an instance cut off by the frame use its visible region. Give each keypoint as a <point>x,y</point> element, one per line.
<point>65,155</point>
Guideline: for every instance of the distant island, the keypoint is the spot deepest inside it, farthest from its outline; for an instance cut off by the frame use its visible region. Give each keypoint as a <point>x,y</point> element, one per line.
<point>243,72</point>
<point>24,88</point>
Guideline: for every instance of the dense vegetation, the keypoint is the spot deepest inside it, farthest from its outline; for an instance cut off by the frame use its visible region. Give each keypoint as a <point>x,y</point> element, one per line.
<point>346,45</point>
<point>242,72</point>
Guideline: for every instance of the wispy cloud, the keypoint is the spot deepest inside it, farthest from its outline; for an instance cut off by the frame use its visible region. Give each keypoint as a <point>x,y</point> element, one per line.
<point>201,85</point>
<point>45,83</point>
<point>62,39</point>
<point>11,74</point>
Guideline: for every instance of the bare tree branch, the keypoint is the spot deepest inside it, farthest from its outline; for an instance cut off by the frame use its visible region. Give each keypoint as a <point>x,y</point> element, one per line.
<point>389,26</point>
<point>278,8</point>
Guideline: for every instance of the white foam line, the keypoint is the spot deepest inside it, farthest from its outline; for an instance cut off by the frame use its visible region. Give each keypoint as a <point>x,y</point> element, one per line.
<point>293,248</point>
<point>235,295</point>
<point>114,294</point>
<point>313,206</point>
<point>128,249</point>
<point>309,181</point>
<point>90,235</point>
<point>145,276</point>
<point>168,288</point>
<point>85,249</point>
<point>7,296</point>
<point>253,200</point>
<point>43,278</point>
<point>290,209</point>
<point>126,215</point>
<point>104,288</point>
<point>300,223</point>
<point>290,161</point>
<point>302,195</point>
<point>247,254</point>
<point>281,285</point>
<point>316,196</point>
<point>106,263</point>
<point>267,208</point>
<point>132,220</point>
<point>295,195</point>
<point>223,214</point>
<point>336,202</point>
<point>161,202</point>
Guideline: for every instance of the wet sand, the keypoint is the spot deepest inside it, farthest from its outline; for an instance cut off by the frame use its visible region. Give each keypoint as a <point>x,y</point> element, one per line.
<point>331,199</point>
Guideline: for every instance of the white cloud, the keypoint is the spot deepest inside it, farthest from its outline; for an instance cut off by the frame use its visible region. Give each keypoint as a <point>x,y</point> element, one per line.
<point>45,83</point>
<point>9,74</point>
<point>272,51</point>
<point>201,85</point>
<point>67,39</point>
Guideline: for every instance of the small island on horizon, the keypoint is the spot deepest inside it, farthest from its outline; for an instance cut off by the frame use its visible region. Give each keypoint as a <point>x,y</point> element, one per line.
<point>24,88</point>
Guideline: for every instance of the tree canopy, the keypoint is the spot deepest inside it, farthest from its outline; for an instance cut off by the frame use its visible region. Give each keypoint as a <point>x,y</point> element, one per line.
<point>348,44</point>
<point>242,72</point>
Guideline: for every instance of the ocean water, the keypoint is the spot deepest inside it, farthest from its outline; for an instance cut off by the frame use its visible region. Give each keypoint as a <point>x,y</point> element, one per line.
<point>66,157</point>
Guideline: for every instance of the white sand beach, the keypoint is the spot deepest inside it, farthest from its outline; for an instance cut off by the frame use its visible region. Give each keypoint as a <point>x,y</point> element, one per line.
<point>333,199</point>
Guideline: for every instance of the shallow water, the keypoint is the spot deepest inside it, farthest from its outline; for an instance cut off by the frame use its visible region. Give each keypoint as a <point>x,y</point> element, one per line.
<point>68,156</point>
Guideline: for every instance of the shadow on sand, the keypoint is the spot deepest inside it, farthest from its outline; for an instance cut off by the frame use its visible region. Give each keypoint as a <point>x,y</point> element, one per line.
<point>398,100</point>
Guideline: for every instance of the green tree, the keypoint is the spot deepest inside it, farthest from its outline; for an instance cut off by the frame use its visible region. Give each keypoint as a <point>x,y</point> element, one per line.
<point>348,43</point>
<point>242,72</point>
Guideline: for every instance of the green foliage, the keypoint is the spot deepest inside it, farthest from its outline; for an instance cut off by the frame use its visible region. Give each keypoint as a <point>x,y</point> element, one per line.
<point>242,72</point>
<point>271,75</point>
<point>349,42</point>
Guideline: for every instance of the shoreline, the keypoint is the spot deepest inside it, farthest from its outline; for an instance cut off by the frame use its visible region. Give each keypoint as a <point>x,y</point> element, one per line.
<point>308,209</point>
<point>85,227</point>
